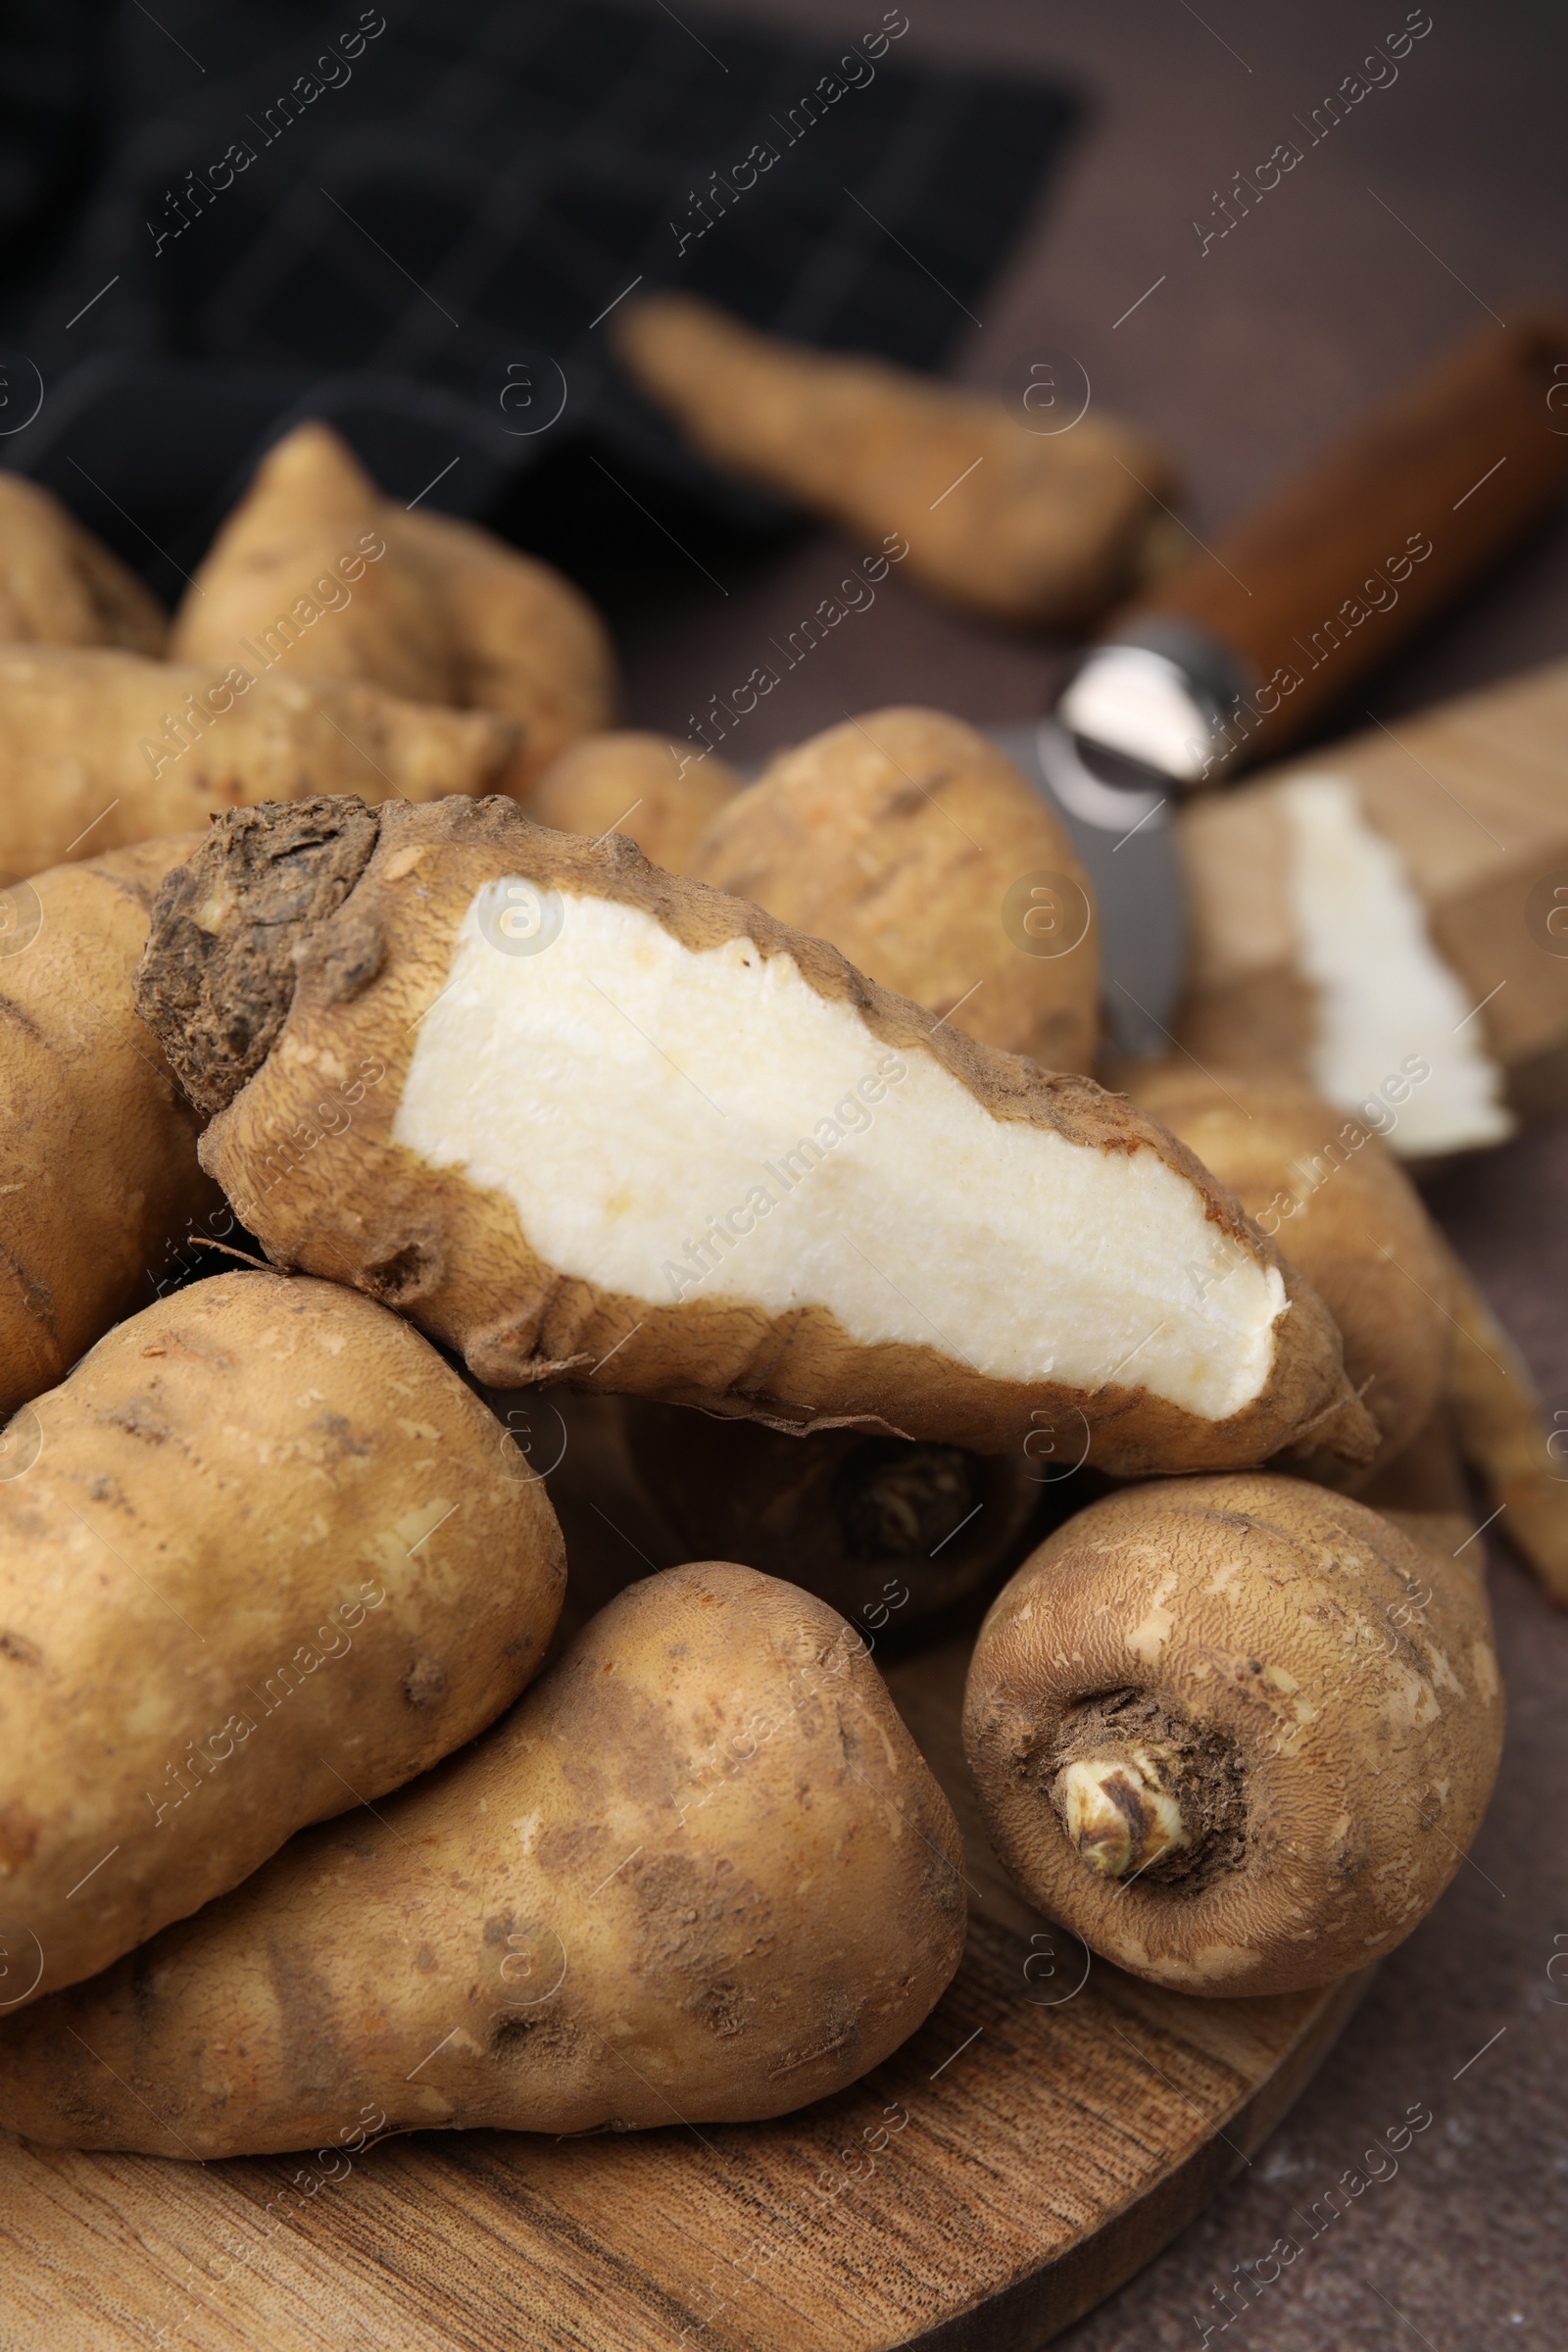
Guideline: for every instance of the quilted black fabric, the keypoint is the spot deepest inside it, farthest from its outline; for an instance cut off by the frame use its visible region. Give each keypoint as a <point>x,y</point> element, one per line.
<point>415,221</point>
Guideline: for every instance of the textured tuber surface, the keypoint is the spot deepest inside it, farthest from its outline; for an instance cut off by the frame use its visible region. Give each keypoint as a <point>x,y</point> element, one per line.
<point>701,1869</point>
<point>1314,1692</point>
<point>261,1556</point>
<point>218,977</point>
<point>101,1178</point>
<point>620,1122</point>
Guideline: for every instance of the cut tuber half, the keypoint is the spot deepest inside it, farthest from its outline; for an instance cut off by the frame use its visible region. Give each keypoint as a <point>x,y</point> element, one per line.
<point>624,1130</point>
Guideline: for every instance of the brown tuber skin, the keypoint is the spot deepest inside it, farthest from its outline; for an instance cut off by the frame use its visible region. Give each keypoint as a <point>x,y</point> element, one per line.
<point>1416,1328</point>
<point>100,1162</point>
<point>1343,1212</point>
<point>660,794</point>
<point>263,1557</point>
<point>58,585</point>
<point>1046,529</point>
<point>526,641</point>
<point>701,1871</point>
<point>89,762</point>
<point>1234,1733</point>
<point>438,610</point>
<point>1503,1433</point>
<point>899,836</point>
<point>302,994</point>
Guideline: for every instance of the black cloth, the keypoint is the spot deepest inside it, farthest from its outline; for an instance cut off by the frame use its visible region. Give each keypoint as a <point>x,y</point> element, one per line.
<point>216,219</point>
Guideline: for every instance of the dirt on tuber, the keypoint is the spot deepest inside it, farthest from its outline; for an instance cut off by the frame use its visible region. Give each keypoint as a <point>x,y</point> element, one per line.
<point>700,1870</point>
<point>1236,1733</point>
<point>262,1557</point>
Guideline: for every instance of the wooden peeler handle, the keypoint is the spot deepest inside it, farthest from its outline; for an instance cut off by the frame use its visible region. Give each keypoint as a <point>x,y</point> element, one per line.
<point>1323,582</point>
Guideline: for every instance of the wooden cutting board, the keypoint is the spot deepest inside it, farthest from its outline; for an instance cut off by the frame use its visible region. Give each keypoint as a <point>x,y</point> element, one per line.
<point>1472,797</point>
<point>1053,2124</point>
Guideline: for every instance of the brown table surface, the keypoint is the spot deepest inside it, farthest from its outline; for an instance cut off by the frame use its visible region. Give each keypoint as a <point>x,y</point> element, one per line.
<point>1244,361</point>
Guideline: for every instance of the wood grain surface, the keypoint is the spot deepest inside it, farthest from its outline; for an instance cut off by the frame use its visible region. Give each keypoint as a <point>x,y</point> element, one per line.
<point>1052,2125</point>
<point>1473,795</point>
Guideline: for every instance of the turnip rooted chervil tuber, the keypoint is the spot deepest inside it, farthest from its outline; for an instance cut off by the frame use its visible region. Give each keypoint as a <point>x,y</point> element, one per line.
<point>101,1171</point>
<point>630,1130</point>
<point>1236,1733</point>
<point>699,1874</point>
<point>262,1557</point>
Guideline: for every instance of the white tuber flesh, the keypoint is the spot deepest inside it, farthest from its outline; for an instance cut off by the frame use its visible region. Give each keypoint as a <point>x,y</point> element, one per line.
<point>1119,1811</point>
<point>841,1174</point>
<point>1384,990</point>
